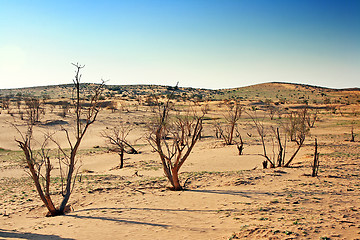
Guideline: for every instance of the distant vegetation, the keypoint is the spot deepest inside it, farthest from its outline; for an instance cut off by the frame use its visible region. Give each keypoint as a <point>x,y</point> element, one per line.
<point>276,92</point>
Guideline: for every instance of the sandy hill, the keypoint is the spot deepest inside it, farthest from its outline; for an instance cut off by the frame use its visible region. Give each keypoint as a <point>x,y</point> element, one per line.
<point>274,91</point>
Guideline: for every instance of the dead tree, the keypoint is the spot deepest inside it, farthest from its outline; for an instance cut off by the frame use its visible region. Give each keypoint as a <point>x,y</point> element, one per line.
<point>35,162</point>
<point>352,139</point>
<point>113,106</point>
<point>312,117</point>
<point>316,163</point>
<point>117,137</point>
<point>169,137</point>
<point>65,109</point>
<point>232,116</point>
<point>33,109</point>
<point>240,144</point>
<point>5,102</point>
<point>84,117</point>
<point>270,108</point>
<point>278,139</point>
<point>262,132</point>
<point>300,131</point>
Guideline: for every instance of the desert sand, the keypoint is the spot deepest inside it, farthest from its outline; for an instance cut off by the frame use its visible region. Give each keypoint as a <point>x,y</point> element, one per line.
<point>226,196</point>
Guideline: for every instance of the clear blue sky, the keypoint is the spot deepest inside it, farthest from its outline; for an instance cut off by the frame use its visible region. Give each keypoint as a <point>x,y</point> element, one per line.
<point>200,43</point>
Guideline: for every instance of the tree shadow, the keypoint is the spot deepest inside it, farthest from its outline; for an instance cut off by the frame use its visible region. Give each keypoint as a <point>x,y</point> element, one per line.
<point>150,209</point>
<point>247,194</point>
<point>25,235</point>
<point>117,220</point>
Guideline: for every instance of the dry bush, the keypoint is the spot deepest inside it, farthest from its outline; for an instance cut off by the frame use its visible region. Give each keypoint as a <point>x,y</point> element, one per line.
<point>39,162</point>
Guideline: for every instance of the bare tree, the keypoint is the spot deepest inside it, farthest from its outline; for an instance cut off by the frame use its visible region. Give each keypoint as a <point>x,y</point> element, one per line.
<point>270,134</point>
<point>117,137</point>
<point>262,132</point>
<point>18,103</point>
<point>316,163</point>
<point>35,162</point>
<point>33,109</point>
<point>65,109</point>
<point>5,102</point>
<point>67,160</point>
<point>232,116</point>
<point>240,143</point>
<point>352,139</point>
<point>270,108</point>
<point>300,132</point>
<point>113,106</point>
<point>312,117</point>
<point>169,136</point>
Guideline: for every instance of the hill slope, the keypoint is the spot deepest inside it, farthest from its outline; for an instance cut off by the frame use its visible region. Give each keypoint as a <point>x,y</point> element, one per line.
<point>274,91</point>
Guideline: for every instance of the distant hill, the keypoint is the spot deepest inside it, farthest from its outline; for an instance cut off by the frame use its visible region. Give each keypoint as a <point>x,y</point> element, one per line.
<point>277,91</point>
<point>274,91</point>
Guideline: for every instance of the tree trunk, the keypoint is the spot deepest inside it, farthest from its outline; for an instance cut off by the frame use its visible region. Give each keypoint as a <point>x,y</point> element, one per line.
<point>315,166</point>
<point>352,135</point>
<point>293,156</point>
<point>121,154</point>
<point>240,148</point>
<point>69,179</point>
<point>281,149</point>
<point>45,198</point>
<point>175,180</point>
<point>231,134</point>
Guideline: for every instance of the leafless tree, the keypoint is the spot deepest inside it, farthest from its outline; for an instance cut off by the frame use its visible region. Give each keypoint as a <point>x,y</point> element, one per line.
<point>5,102</point>
<point>352,139</point>
<point>232,116</point>
<point>270,108</point>
<point>312,117</point>
<point>35,161</point>
<point>316,163</point>
<point>240,143</point>
<point>18,104</point>
<point>65,109</point>
<point>262,132</point>
<point>169,137</point>
<point>278,139</point>
<point>113,106</point>
<point>67,160</point>
<point>117,138</point>
<point>33,109</point>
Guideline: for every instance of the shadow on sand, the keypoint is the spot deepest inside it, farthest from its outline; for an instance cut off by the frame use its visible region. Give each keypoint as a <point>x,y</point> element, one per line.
<point>8,234</point>
<point>247,194</point>
<point>116,220</point>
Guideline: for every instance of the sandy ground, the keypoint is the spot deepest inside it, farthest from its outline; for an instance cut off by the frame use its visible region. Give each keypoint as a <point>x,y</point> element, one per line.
<point>227,196</point>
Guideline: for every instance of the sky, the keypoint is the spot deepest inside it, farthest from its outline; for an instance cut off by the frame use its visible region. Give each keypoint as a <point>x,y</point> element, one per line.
<point>210,44</point>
